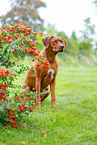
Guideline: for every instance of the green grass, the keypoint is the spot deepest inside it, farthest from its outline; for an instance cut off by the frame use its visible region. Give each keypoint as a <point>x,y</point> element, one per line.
<point>72,122</point>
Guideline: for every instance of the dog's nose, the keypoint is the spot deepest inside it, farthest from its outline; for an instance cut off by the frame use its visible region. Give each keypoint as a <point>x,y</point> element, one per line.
<point>62,46</point>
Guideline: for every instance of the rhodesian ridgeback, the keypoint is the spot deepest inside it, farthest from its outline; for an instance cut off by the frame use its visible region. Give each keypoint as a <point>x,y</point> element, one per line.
<point>40,79</point>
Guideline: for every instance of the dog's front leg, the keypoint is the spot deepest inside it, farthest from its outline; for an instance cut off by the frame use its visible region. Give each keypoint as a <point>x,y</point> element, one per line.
<point>38,99</point>
<point>52,89</point>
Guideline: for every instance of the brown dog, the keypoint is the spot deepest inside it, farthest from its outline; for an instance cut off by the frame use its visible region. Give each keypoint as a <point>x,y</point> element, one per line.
<point>39,79</point>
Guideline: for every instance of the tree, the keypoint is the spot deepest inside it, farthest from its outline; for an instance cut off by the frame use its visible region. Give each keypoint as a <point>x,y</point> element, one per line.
<point>86,41</point>
<point>50,30</point>
<point>85,47</point>
<point>73,35</point>
<point>88,32</point>
<point>25,12</point>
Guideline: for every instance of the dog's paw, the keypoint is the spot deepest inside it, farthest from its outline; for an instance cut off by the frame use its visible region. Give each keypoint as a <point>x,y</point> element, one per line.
<point>54,104</point>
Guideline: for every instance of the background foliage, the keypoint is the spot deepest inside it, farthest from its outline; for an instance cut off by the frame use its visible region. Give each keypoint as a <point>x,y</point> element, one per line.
<point>25,12</point>
<point>78,49</point>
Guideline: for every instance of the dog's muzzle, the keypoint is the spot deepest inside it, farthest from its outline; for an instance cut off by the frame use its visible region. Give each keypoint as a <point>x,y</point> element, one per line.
<point>61,48</point>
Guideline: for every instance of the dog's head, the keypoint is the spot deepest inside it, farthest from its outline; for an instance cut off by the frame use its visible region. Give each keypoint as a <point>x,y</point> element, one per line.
<point>55,44</point>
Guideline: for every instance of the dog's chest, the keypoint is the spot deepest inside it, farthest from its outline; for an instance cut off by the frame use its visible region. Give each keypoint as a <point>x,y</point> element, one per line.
<point>50,73</point>
<point>48,78</point>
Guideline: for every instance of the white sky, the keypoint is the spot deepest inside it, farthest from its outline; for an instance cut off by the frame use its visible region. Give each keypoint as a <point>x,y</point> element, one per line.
<point>67,15</point>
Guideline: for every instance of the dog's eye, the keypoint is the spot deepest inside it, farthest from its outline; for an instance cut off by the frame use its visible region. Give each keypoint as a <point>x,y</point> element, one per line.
<point>54,42</point>
<point>61,41</point>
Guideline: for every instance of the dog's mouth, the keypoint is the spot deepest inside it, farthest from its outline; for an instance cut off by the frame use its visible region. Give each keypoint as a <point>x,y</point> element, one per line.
<point>61,50</point>
<point>57,51</point>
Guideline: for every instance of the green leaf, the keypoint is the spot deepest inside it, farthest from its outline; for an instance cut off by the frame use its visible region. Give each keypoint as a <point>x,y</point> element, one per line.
<point>4,46</point>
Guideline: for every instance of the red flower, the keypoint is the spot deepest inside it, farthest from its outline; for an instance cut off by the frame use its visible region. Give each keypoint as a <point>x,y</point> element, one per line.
<point>25,50</point>
<point>12,28</point>
<point>21,108</point>
<point>1,96</point>
<point>39,59</point>
<point>33,59</point>
<point>21,98</point>
<point>28,41</point>
<point>9,109</point>
<point>45,63</point>
<point>43,55</point>
<point>16,37</point>
<point>40,33</point>
<point>45,66</point>
<point>0,39</point>
<point>32,109</point>
<point>9,36</point>
<point>35,48</point>
<point>6,127</point>
<point>2,73</point>
<point>7,71</point>
<point>11,75</point>
<point>4,89</point>
<point>16,25</point>
<point>10,41</point>
<point>5,85</point>
<point>25,107</point>
<point>38,51</point>
<point>1,35</point>
<point>0,85</point>
<point>13,52</point>
<point>37,54</point>
<point>33,44</point>
<point>5,38</point>
<point>4,98</point>
<point>38,64</point>
<point>31,51</point>
<point>35,33</point>
<point>29,29</point>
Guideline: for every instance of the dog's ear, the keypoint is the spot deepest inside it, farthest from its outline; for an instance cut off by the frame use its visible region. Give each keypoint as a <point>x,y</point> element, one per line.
<point>65,41</point>
<point>46,41</point>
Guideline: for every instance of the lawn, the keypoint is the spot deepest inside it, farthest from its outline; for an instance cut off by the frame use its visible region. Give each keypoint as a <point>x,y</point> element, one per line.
<point>72,122</point>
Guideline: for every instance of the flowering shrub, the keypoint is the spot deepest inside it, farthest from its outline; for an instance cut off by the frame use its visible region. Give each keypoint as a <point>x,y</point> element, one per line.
<point>16,42</point>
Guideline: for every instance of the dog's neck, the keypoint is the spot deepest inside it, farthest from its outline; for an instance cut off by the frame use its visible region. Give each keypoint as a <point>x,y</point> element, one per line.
<point>51,57</point>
